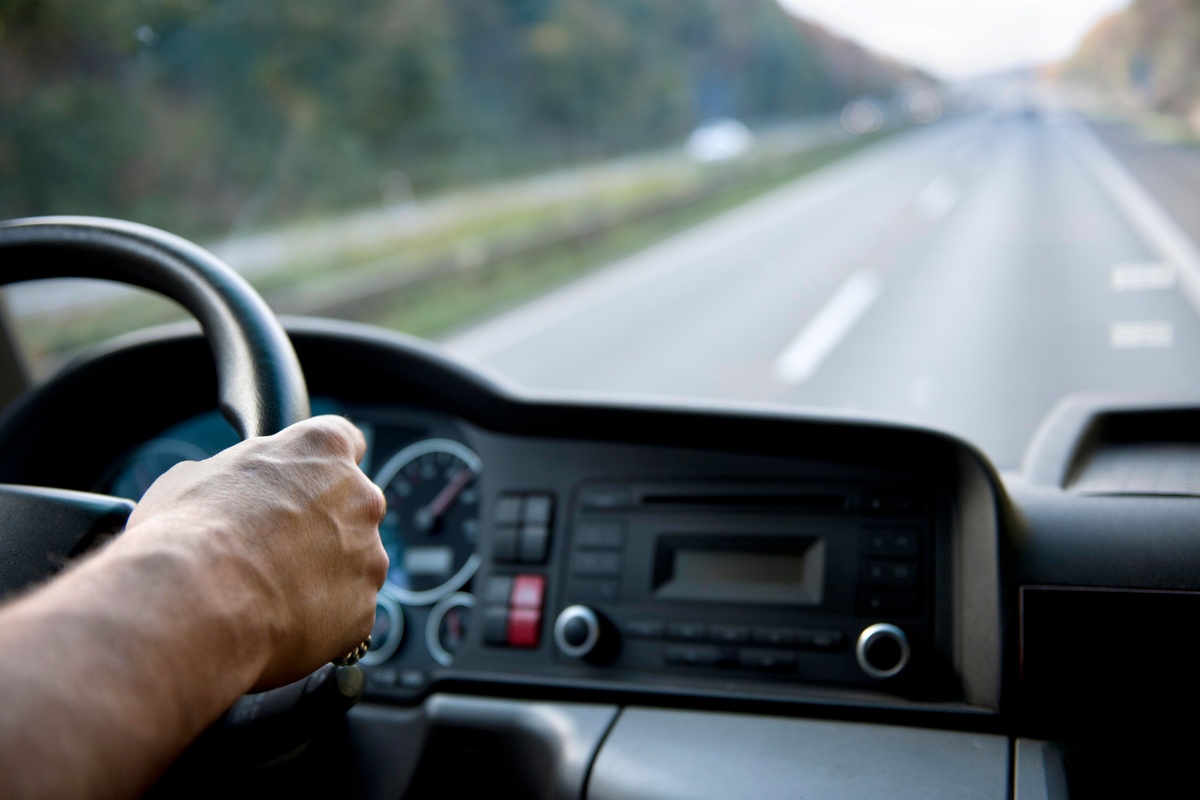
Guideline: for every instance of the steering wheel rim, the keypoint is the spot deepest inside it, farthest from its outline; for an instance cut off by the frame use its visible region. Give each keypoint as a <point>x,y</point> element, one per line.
<point>260,384</point>
<point>261,388</point>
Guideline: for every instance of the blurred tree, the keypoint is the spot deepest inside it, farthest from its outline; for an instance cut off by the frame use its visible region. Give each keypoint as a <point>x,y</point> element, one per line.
<point>202,115</point>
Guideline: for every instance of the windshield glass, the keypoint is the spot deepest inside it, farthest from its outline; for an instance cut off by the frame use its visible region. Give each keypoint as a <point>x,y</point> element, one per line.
<point>955,214</point>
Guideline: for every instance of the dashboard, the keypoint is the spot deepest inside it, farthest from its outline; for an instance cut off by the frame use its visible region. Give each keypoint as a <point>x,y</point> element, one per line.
<point>657,599</point>
<point>655,567</point>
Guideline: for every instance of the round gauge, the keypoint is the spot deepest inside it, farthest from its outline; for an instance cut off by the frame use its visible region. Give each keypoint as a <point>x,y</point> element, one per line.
<point>447,626</point>
<point>145,464</point>
<point>388,631</point>
<point>432,522</point>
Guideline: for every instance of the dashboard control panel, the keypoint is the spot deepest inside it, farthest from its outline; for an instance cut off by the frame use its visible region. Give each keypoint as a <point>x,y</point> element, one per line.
<point>800,583</point>
<point>819,583</point>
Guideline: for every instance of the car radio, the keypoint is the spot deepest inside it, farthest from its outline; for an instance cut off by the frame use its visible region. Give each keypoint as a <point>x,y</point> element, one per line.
<point>823,583</point>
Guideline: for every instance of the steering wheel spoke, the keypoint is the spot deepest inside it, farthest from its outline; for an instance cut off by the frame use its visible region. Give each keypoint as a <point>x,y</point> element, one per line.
<point>42,528</point>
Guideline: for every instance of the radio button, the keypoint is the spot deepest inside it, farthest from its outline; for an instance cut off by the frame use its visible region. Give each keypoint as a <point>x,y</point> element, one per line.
<point>645,629</point>
<point>600,536</point>
<point>882,651</point>
<point>533,544</point>
<point>605,498</point>
<point>700,656</point>
<point>899,575</point>
<point>729,634</point>
<point>538,509</point>
<point>890,604</point>
<point>504,545</point>
<point>687,631</point>
<point>904,503</point>
<point>820,640</point>
<point>497,590</point>
<point>508,510</point>
<point>596,565</point>
<point>495,625</point>
<point>597,591</point>
<point>578,633</point>
<point>892,503</point>
<point>891,543</point>
<point>767,660</point>
<point>776,637</point>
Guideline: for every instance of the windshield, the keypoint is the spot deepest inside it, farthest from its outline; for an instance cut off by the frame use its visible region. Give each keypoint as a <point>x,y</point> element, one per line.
<point>954,214</point>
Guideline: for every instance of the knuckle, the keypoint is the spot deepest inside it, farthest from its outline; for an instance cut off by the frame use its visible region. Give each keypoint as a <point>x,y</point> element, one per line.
<point>379,566</point>
<point>376,502</point>
<point>329,435</point>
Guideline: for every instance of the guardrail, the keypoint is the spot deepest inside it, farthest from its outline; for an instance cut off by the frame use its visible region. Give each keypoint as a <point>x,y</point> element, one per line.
<point>476,259</point>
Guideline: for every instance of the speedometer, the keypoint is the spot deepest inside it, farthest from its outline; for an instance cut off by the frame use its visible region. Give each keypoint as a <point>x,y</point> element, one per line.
<point>143,466</point>
<point>432,523</point>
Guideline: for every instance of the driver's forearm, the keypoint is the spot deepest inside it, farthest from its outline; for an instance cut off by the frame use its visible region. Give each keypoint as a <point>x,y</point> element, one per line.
<point>107,673</point>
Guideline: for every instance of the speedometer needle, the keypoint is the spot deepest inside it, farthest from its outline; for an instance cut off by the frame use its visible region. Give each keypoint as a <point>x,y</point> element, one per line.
<point>428,516</point>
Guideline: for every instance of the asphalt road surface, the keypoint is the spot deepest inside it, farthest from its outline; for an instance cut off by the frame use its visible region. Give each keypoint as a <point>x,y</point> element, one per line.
<point>966,275</point>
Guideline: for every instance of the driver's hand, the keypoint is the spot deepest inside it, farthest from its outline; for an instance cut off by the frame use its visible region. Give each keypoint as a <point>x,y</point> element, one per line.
<point>287,528</point>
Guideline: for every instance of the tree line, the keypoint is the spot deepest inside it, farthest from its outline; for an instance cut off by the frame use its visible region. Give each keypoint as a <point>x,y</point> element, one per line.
<point>206,115</point>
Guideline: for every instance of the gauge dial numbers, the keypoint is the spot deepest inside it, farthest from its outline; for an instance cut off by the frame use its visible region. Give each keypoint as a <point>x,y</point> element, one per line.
<point>431,528</point>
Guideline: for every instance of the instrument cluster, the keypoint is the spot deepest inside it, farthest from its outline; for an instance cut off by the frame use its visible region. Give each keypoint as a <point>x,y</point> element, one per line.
<point>430,479</point>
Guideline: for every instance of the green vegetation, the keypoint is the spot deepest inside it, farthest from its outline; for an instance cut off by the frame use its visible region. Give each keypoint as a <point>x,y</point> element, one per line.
<point>1145,60</point>
<point>444,306</point>
<point>439,127</point>
<point>210,116</point>
<point>518,253</point>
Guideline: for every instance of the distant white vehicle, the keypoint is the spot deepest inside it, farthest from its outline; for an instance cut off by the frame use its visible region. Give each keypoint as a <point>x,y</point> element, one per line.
<point>922,107</point>
<point>862,116</point>
<point>719,139</point>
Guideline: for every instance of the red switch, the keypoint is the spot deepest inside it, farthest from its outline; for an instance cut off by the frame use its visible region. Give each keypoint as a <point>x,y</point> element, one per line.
<point>528,591</point>
<point>524,627</point>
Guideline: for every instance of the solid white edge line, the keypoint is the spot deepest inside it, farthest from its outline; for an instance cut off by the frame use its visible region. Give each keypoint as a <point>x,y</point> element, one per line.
<point>1160,231</point>
<point>801,358</point>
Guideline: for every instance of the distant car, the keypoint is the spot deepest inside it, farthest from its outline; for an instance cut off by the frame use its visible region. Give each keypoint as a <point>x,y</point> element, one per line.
<point>719,139</point>
<point>862,116</point>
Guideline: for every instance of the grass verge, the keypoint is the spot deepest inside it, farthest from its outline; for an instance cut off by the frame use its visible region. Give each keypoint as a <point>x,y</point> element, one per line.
<point>434,308</point>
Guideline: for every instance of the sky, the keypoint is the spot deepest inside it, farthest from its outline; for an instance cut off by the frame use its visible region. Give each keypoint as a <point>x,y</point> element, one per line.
<point>961,38</point>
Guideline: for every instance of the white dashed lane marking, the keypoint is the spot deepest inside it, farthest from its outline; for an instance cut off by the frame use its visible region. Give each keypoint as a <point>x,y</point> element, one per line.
<point>1149,277</point>
<point>1141,335</point>
<point>821,335</point>
<point>938,198</point>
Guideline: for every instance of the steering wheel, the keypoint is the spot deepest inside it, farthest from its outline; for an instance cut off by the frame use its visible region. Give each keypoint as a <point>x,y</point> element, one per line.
<point>261,390</point>
<point>261,387</point>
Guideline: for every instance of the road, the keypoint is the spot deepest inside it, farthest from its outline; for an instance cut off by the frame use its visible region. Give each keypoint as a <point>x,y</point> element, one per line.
<point>965,275</point>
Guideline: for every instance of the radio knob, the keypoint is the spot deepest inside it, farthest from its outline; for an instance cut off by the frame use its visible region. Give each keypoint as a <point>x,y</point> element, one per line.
<point>577,631</point>
<point>882,650</point>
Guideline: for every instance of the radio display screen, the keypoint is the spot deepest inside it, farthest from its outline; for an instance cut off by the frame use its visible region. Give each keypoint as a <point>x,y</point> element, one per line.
<point>773,570</point>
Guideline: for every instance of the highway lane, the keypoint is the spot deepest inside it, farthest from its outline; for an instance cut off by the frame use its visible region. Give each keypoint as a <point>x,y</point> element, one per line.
<point>965,275</point>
